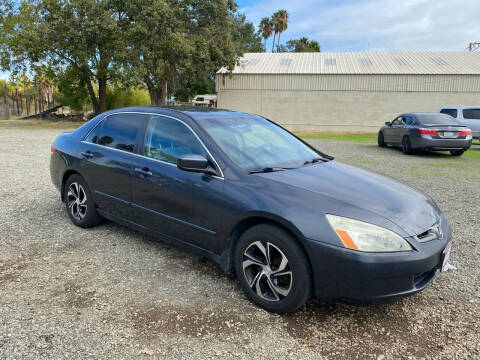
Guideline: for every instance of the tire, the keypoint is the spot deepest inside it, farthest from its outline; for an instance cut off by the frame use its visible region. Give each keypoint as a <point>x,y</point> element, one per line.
<point>457,152</point>
<point>381,140</point>
<point>406,145</point>
<point>79,203</point>
<point>281,293</point>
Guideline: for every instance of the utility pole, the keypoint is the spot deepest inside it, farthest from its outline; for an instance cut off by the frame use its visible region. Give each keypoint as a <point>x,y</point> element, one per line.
<point>473,46</point>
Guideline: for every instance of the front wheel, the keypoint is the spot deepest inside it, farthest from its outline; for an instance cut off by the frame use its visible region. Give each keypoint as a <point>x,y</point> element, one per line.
<point>79,203</point>
<point>381,140</point>
<point>406,145</point>
<point>273,269</point>
<point>457,152</point>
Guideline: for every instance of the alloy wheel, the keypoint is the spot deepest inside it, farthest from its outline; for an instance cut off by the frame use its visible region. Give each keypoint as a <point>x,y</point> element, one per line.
<point>77,201</point>
<point>267,271</point>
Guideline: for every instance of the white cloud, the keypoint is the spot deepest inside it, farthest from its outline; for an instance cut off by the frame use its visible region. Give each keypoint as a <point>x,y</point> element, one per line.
<point>379,24</point>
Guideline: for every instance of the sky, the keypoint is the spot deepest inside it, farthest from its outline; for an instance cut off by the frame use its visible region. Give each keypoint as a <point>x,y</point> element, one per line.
<point>374,25</point>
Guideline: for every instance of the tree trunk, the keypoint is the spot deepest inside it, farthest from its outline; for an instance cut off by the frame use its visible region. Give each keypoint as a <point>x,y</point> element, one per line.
<point>91,91</point>
<point>158,95</point>
<point>280,33</point>
<point>5,101</point>
<point>273,45</point>
<point>102,95</point>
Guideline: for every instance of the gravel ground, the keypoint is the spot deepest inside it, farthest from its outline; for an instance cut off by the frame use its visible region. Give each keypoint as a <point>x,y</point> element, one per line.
<point>110,292</point>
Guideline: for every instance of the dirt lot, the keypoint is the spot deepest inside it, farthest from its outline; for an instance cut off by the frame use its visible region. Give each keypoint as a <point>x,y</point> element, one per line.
<point>110,292</point>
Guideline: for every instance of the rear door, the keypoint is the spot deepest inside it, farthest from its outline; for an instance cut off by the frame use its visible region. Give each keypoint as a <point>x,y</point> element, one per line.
<point>107,154</point>
<point>471,118</point>
<point>183,205</point>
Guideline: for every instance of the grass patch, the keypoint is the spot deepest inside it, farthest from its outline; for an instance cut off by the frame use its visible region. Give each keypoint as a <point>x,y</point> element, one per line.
<point>39,124</point>
<point>353,137</point>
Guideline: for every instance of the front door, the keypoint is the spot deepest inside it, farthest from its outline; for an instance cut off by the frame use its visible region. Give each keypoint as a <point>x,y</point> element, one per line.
<point>396,131</point>
<point>183,205</point>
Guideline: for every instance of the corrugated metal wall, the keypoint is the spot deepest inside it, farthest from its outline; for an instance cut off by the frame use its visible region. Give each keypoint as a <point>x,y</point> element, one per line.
<point>388,83</point>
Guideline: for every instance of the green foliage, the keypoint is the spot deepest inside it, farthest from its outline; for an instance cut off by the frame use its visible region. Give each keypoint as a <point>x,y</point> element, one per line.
<point>188,88</point>
<point>118,97</point>
<point>244,36</point>
<point>280,24</point>
<point>265,29</point>
<point>72,91</point>
<point>302,45</point>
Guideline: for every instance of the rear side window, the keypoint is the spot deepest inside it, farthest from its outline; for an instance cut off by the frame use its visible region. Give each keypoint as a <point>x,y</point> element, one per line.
<point>93,136</point>
<point>471,114</point>
<point>451,112</point>
<point>120,131</point>
<point>167,139</point>
<point>409,120</point>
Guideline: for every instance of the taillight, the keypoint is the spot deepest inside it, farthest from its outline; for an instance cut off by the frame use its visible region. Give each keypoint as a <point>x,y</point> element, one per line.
<point>427,132</point>
<point>465,132</point>
<point>52,149</point>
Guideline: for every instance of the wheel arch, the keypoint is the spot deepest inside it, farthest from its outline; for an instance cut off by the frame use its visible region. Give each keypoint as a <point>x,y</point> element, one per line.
<point>256,219</point>
<point>65,177</point>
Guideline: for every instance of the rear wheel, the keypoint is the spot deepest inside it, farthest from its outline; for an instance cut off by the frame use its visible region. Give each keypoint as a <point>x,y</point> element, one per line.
<point>406,145</point>
<point>457,152</point>
<point>381,140</point>
<point>273,269</point>
<point>79,203</point>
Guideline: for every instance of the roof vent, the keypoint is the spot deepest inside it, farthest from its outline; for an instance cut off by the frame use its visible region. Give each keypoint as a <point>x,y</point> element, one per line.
<point>365,61</point>
<point>285,61</point>
<point>253,62</point>
<point>400,61</point>
<point>439,61</point>
<point>330,61</point>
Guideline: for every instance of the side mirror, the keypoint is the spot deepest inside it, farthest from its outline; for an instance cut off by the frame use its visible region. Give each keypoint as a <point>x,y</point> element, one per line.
<point>192,162</point>
<point>388,123</point>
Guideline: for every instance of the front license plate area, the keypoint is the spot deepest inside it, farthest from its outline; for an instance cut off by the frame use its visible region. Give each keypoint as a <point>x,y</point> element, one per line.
<point>446,255</point>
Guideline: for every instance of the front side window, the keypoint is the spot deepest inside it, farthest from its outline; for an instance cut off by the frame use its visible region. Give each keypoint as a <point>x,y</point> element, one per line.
<point>398,121</point>
<point>255,143</point>
<point>471,114</point>
<point>167,139</point>
<point>451,112</point>
<point>119,131</point>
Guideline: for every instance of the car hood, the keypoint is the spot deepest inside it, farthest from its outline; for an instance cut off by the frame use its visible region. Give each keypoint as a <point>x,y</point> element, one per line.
<point>408,208</point>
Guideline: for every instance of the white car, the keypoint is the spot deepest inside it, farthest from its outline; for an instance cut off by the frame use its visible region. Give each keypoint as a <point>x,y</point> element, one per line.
<point>465,115</point>
<point>205,100</point>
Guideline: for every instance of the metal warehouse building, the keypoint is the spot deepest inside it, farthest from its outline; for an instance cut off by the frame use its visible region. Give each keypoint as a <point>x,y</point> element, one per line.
<point>348,91</point>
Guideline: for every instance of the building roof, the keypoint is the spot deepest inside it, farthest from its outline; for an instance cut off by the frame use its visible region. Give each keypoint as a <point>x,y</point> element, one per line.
<point>447,63</point>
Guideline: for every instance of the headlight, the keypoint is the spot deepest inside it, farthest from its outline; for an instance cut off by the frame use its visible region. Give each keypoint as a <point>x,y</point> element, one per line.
<point>361,236</point>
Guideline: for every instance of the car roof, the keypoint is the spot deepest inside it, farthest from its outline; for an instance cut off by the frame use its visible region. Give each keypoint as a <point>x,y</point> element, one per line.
<point>195,113</point>
<point>460,107</point>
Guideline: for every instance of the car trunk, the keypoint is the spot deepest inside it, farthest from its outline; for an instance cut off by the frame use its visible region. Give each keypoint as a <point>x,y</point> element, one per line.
<point>447,131</point>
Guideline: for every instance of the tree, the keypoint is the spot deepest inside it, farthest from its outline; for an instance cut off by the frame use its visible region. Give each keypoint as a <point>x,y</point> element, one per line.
<point>302,45</point>
<point>244,36</point>
<point>265,29</point>
<point>280,23</point>
<point>170,38</point>
<point>87,35</point>
<point>72,90</point>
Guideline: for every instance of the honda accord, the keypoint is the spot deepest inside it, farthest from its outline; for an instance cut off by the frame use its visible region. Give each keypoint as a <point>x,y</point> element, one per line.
<point>289,220</point>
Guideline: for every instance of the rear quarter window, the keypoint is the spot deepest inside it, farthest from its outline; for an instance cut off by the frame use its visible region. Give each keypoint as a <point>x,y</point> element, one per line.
<point>451,112</point>
<point>119,131</point>
<point>471,113</point>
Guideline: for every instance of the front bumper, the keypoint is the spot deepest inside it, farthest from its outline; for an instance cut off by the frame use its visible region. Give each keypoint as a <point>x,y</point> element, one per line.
<point>350,276</point>
<point>441,144</point>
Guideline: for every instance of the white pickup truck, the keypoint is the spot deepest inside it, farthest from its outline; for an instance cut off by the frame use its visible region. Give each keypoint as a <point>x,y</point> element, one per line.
<point>205,100</point>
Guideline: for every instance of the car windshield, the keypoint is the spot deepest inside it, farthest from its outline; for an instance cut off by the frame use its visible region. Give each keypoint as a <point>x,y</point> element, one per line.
<point>254,143</point>
<point>436,119</point>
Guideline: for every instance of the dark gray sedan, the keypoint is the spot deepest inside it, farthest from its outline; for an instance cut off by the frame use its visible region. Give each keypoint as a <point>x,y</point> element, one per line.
<point>426,131</point>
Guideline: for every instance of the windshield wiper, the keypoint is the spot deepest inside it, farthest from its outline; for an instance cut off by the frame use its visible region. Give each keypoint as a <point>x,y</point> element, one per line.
<point>268,169</point>
<point>315,160</point>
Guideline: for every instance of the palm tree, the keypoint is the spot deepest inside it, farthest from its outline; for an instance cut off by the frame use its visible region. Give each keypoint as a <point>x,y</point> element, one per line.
<point>265,29</point>
<point>280,23</point>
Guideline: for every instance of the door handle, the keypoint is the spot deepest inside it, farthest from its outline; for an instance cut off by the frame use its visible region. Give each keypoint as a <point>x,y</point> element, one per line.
<point>87,154</point>
<point>143,171</point>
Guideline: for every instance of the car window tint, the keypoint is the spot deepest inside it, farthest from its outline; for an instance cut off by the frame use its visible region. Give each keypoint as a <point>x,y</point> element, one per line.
<point>93,136</point>
<point>409,120</point>
<point>451,112</point>
<point>398,121</point>
<point>436,119</point>
<point>119,131</point>
<point>167,139</point>
<point>471,114</point>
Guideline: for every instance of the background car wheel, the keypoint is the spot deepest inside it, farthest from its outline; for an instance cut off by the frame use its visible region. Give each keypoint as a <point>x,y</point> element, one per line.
<point>273,269</point>
<point>457,152</point>
<point>406,145</point>
<point>381,140</point>
<point>79,203</point>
